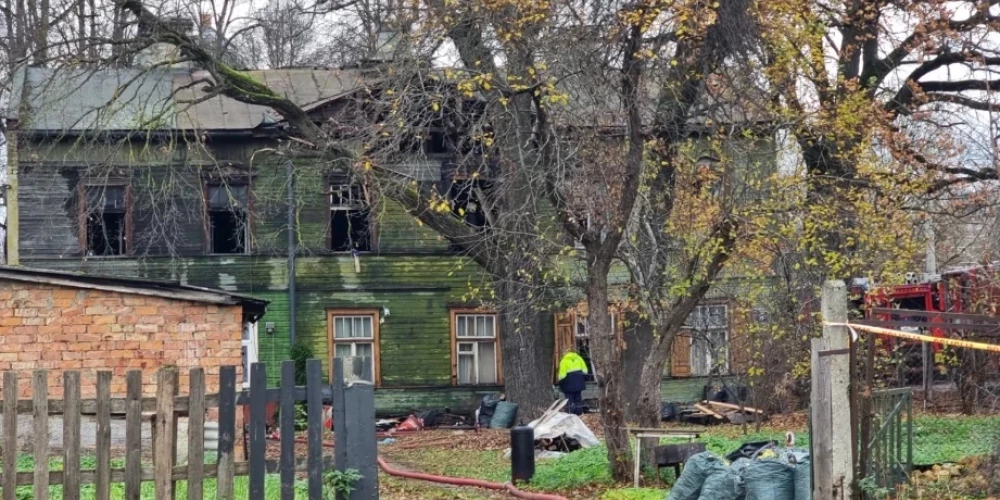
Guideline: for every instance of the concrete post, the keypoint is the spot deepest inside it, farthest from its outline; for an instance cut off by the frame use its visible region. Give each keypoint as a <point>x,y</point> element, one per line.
<point>355,443</point>
<point>831,398</point>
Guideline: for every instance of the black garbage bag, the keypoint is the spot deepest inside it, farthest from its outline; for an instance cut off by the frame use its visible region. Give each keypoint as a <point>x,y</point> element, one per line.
<point>697,469</point>
<point>487,406</point>
<point>749,450</point>
<point>669,411</point>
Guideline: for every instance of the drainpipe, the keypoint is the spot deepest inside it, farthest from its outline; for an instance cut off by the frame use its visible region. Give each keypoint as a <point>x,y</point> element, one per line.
<point>292,234</point>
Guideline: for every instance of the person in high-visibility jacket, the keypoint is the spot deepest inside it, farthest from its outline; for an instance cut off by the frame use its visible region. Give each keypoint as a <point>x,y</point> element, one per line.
<point>573,380</point>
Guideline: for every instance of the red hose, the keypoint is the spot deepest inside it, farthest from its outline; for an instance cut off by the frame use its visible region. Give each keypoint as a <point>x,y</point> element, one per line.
<point>454,481</point>
<point>458,481</point>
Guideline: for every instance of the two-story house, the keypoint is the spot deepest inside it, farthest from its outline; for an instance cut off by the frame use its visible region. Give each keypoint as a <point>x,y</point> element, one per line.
<point>136,172</point>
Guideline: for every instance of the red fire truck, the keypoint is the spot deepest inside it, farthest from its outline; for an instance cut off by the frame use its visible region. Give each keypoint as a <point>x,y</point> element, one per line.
<point>969,290</point>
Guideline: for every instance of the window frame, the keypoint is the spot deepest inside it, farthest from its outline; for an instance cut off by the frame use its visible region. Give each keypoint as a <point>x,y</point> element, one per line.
<point>455,340</point>
<point>111,182</point>
<point>374,314</point>
<point>372,225</point>
<point>229,181</point>
<point>696,335</point>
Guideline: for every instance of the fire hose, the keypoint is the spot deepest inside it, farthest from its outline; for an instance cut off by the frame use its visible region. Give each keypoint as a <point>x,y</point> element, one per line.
<point>458,481</point>
<point>453,481</point>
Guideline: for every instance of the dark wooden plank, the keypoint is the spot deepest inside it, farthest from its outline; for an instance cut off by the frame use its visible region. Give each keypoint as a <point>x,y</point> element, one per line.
<point>71,435</point>
<point>196,436</point>
<point>227,431</point>
<point>181,403</point>
<point>314,453</point>
<point>258,428</point>
<point>40,391</point>
<point>165,444</point>
<point>133,435</point>
<point>9,436</point>
<point>103,489</point>
<point>287,428</point>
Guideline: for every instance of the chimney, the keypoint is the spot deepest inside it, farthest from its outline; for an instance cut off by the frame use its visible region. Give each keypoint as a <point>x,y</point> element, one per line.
<point>159,53</point>
<point>206,20</point>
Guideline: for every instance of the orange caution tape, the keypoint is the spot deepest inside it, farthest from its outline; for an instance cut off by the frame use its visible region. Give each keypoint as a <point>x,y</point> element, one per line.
<point>921,338</point>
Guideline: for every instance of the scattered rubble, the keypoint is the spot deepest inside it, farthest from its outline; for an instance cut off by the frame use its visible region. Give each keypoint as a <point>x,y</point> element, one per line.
<point>710,412</point>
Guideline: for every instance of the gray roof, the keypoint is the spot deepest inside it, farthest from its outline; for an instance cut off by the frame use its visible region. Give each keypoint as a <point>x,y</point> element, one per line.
<point>120,99</point>
<point>164,289</point>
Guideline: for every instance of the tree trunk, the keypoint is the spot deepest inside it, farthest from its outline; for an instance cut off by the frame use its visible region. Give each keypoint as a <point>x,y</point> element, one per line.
<point>607,354</point>
<point>526,358</point>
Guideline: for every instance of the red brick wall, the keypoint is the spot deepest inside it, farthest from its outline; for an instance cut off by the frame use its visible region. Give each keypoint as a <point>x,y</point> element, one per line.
<point>61,328</point>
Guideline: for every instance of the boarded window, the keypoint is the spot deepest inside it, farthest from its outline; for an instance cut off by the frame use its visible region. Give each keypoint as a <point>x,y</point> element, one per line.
<point>227,206</point>
<point>354,334</point>
<point>476,358</point>
<point>350,218</point>
<point>105,215</point>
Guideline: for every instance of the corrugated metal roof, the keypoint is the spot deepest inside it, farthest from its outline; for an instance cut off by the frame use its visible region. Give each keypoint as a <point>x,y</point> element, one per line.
<point>108,99</point>
<point>82,99</point>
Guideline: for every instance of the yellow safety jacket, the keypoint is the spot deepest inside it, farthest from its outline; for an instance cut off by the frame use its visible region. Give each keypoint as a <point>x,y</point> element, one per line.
<point>571,362</point>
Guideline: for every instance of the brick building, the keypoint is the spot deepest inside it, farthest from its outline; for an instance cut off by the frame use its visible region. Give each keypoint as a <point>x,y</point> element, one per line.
<point>62,321</point>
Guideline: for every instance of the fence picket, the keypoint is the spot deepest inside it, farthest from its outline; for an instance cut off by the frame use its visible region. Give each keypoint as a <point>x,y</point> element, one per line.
<point>164,445</point>
<point>40,392</point>
<point>71,435</point>
<point>287,427</point>
<point>103,487</point>
<point>227,431</point>
<point>258,428</point>
<point>196,435</point>
<point>133,434</point>
<point>314,417</point>
<point>10,436</point>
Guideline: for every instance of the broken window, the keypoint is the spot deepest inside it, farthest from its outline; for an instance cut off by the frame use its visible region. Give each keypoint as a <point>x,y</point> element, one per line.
<point>350,218</point>
<point>476,349</point>
<point>466,203</point>
<point>582,342</point>
<point>708,327</point>
<point>227,217</point>
<point>105,214</point>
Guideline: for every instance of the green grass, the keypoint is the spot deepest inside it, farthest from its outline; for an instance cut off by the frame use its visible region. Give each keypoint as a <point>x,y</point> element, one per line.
<point>241,485</point>
<point>939,439</point>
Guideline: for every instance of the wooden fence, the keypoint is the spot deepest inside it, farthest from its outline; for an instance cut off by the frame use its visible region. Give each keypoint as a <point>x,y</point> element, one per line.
<point>165,408</point>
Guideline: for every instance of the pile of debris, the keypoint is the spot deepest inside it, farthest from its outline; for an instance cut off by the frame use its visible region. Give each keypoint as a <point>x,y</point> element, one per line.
<point>710,412</point>
<point>429,419</point>
<point>558,433</point>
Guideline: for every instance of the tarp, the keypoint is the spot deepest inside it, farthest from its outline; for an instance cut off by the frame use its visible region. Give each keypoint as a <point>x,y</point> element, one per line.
<point>565,424</point>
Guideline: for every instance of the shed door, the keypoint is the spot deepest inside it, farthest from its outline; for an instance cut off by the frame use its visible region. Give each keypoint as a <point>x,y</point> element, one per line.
<point>565,338</point>
<point>680,357</point>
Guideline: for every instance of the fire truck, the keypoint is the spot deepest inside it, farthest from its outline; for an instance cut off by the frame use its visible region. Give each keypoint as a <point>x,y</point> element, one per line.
<point>973,290</point>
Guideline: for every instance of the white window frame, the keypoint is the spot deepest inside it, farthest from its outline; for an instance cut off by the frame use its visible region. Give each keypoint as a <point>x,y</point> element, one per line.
<point>371,315</point>
<point>474,341</point>
<point>250,352</point>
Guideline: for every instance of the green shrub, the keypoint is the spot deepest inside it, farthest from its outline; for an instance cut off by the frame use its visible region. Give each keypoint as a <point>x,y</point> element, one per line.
<point>301,352</point>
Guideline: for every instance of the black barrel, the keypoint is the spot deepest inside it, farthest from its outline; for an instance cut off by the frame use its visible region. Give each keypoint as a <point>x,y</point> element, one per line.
<point>522,453</point>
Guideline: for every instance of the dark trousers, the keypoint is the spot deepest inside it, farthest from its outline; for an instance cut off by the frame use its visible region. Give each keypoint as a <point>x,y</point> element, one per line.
<point>575,402</point>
